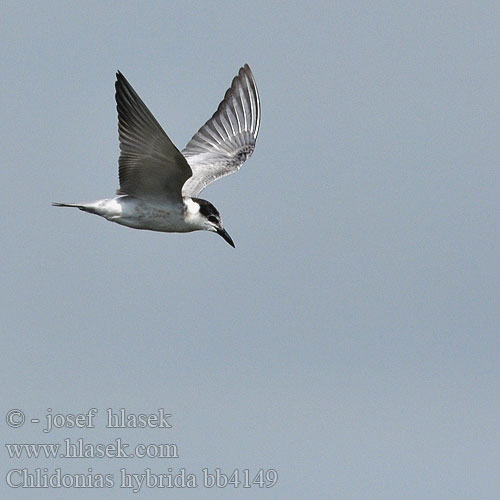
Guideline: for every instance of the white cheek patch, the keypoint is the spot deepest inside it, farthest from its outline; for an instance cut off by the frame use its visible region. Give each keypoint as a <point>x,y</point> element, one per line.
<point>193,208</point>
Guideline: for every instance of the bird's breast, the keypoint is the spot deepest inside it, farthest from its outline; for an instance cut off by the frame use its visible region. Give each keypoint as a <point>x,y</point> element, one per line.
<point>151,215</point>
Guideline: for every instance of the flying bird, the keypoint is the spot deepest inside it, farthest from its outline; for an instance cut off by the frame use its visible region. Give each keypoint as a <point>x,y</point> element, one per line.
<point>159,185</point>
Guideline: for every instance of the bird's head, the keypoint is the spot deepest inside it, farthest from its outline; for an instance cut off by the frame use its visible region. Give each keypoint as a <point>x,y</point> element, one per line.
<point>204,216</point>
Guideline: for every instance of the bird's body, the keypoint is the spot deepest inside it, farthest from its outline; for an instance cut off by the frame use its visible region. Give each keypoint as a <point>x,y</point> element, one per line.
<point>140,214</point>
<point>158,184</point>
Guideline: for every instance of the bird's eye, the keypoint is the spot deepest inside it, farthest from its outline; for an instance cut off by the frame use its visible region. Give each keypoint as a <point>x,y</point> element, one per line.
<point>213,219</point>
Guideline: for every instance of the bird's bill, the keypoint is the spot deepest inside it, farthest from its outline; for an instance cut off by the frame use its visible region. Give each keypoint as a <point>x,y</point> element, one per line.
<point>225,235</point>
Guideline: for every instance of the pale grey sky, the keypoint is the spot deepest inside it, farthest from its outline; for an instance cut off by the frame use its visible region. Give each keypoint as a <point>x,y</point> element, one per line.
<point>350,341</point>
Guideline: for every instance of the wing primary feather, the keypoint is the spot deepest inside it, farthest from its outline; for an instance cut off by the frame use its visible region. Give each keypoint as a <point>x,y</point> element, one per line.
<point>227,139</point>
<point>150,166</point>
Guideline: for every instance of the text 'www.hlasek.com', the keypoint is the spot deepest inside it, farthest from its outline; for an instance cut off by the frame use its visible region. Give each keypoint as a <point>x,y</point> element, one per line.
<point>74,449</point>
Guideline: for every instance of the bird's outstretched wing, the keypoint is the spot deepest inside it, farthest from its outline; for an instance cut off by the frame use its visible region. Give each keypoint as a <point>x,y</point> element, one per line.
<point>221,146</point>
<point>150,166</point>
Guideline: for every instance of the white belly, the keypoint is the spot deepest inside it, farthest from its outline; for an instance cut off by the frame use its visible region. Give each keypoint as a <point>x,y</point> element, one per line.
<point>141,214</point>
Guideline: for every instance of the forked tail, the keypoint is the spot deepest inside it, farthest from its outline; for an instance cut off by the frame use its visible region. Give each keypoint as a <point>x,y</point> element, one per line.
<point>75,205</point>
<point>82,206</point>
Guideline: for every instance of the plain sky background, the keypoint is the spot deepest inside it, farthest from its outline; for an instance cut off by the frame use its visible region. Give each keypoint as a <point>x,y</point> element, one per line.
<point>351,340</point>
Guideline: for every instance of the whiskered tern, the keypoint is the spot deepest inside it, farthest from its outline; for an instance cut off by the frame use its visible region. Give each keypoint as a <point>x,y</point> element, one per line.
<point>159,185</point>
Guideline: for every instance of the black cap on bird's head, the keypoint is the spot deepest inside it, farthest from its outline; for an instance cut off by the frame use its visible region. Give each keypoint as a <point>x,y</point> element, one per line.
<point>213,217</point>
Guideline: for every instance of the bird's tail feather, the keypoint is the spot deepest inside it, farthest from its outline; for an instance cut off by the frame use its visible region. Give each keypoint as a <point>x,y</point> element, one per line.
<point>75,205</point>
<point>82,206</point>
